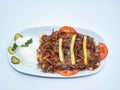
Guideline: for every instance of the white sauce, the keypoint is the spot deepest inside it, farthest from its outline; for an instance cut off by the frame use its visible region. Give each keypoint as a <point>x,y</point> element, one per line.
<point>21,41</point>
<point>27,55</point>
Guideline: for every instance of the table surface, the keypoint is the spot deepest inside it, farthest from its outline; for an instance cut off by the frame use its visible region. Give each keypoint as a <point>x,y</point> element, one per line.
<point>100,16</point>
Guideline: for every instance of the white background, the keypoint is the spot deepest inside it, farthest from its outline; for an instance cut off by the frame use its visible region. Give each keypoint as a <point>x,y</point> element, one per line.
<point>101,16</point>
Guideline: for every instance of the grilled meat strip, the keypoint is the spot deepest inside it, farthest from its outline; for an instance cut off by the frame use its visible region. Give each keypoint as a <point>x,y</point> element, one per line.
<point>48,54</point>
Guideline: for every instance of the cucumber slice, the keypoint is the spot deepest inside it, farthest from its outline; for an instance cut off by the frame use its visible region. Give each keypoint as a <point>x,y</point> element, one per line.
<point>17,35</point>
<point>10,50</point>
<point>15,60</point>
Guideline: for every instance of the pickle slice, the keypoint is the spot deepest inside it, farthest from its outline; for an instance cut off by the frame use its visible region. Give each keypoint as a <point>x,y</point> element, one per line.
<point>10,50</point>
<point>85,50</point>
<point>15,60</point>
<point>60,50</point>
<point>17,35</point>
<point>72,49</point>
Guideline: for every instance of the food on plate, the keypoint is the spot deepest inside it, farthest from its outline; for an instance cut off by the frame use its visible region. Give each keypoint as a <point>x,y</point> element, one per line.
<point>15,60</point>
<point>28,56</point>
<point>85,50</point>
<point>67,52</point>
<point>10,50</point>
<point>67,29</point>
<point>17,35</point>
<point>19,41</point>
<point>103,50</point>
<point>24,50</point>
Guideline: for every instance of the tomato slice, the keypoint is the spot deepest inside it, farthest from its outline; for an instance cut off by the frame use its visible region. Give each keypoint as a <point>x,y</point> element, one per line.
<point>103,50</point>
<point>67,29</point>
<point>67,72</point>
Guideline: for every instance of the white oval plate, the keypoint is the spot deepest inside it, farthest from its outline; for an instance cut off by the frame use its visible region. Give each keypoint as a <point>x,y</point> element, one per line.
<point>35,71</point>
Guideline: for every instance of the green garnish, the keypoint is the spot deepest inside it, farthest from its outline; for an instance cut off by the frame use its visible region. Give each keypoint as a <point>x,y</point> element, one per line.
<point>12,49</point>
<point>27,43</point>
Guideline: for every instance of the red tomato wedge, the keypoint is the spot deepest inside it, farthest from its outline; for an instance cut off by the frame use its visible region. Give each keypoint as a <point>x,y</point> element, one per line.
<point>67,29</point>
<point>103,50</point>
<point>67,72</point>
